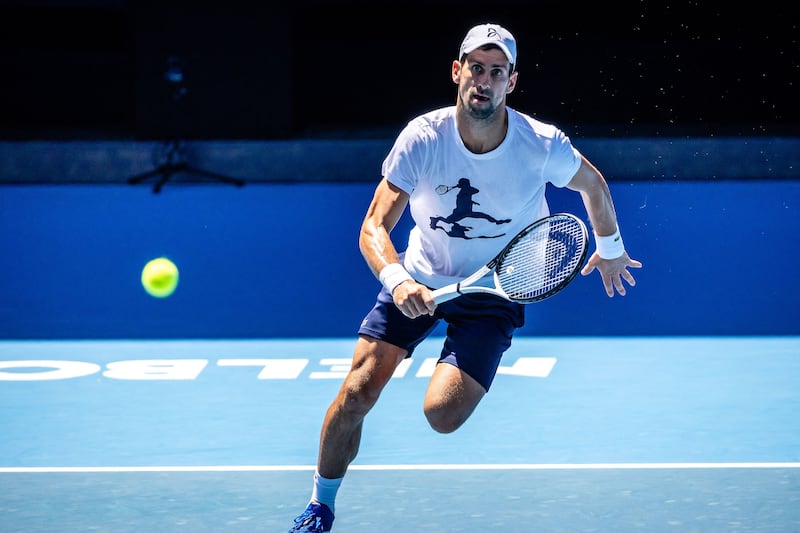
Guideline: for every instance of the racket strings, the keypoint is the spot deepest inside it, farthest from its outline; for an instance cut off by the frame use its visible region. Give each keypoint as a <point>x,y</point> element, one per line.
<point>541,260</point>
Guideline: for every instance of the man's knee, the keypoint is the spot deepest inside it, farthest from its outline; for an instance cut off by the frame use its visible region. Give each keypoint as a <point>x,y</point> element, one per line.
<point>360,392</point>
<point>451,398</point>
<point>444,420</point>
<point>374,363</point>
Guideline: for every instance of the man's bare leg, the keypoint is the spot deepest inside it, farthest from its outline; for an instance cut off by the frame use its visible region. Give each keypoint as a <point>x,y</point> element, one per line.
<point>374,362</point>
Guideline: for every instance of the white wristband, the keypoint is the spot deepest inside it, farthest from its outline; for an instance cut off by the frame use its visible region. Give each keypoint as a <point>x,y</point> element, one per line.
<point>609,246</point>
<point>393,275</point>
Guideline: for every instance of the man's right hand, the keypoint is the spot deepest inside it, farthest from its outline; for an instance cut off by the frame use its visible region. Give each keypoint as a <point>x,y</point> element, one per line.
<point>413,299</point>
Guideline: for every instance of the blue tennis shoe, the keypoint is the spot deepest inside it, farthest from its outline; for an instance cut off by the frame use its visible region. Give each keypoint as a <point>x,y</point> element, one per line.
<point>317,518</point>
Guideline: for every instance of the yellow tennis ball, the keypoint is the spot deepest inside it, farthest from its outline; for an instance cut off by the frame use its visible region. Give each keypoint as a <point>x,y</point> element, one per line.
<point>160,277</point>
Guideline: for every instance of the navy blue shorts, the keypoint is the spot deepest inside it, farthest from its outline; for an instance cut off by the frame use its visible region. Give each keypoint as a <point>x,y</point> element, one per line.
<point>479,330</point>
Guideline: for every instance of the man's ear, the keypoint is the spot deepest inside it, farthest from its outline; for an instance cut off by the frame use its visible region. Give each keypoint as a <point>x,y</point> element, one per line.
<point>512,82</point>
<point>456,71</point>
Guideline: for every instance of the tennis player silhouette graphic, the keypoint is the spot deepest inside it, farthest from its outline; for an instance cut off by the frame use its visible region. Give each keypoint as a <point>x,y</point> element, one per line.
<point>463,209</point>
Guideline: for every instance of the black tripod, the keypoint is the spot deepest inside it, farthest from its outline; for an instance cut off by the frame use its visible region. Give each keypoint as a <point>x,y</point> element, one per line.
<point>171,158</point>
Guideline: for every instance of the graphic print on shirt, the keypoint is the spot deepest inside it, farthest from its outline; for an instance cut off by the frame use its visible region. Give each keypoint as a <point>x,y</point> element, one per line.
<point>463,210</point>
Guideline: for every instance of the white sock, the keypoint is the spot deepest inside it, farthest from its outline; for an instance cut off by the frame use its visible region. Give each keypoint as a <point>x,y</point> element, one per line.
<point>325,490</point>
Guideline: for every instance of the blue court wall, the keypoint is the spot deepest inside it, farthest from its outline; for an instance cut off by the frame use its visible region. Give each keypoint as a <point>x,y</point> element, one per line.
<point>281,260</point>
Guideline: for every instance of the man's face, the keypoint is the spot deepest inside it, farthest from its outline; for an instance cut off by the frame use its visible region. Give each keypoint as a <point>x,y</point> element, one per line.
<point>483,82</point>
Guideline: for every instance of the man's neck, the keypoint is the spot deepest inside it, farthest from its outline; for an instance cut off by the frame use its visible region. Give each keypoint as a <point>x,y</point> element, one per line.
<point>482,135</point>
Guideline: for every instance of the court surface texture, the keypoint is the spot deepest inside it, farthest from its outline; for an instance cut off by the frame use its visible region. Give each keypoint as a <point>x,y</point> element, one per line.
<point>577,434</point>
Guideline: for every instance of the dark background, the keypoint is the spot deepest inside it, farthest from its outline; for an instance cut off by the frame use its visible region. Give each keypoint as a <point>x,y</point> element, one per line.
<point>96,69</point>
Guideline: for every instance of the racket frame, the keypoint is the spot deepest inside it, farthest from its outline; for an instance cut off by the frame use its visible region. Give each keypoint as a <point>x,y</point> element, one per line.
<point>465,286</point>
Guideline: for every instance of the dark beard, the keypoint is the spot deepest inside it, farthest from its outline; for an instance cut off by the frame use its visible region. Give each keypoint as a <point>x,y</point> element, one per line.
<point>482,113</point>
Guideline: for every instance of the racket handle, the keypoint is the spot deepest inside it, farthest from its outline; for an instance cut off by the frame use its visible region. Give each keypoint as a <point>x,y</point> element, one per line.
<point>446,293</point>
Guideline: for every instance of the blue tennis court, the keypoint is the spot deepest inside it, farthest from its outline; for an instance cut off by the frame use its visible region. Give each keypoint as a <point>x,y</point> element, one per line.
<point>579,434</point>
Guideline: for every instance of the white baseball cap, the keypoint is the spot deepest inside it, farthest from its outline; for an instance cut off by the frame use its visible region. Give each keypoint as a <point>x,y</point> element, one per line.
<point>490,34</point>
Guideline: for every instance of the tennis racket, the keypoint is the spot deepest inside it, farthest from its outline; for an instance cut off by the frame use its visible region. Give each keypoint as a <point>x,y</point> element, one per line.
<point>538,262</point>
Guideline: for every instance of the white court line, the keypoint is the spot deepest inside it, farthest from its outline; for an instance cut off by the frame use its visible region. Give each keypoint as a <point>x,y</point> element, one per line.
<point>290,468</point>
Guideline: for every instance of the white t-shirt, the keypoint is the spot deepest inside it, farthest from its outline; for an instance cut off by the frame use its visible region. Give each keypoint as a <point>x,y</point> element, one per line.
<point>466,206</point>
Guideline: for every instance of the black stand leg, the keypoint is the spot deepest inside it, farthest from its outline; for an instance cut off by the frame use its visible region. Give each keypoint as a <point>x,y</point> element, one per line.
<point>175,163</point>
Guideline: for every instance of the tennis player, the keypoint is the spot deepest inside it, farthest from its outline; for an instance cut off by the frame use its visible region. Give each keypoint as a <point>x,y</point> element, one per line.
<point>472,175</point>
